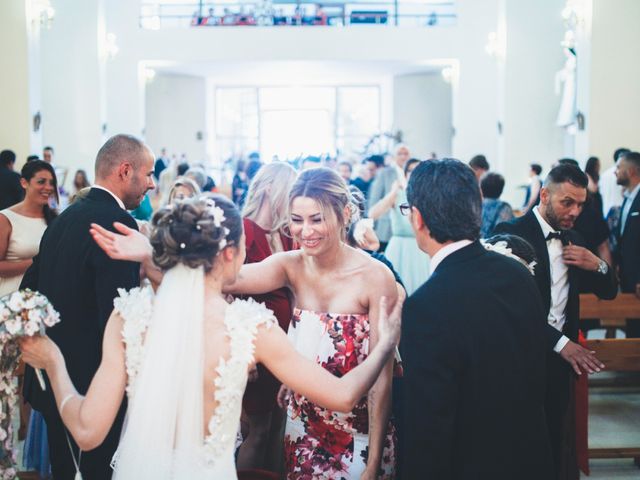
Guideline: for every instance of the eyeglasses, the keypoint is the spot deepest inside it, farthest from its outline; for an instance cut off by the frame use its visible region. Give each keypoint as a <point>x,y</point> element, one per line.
<point>405,209</point>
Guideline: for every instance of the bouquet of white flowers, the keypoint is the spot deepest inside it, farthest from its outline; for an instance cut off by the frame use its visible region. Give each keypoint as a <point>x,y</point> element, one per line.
<point>23,313</point>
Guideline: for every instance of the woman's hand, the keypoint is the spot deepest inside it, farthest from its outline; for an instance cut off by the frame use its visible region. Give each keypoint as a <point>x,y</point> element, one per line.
<point>129,244</point>
<point>389,323</point>
<point>39,351</point>
<point>283,396</point>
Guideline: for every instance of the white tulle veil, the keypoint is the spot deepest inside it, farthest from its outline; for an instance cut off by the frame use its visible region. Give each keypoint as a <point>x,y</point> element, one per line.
<point>164,428</point>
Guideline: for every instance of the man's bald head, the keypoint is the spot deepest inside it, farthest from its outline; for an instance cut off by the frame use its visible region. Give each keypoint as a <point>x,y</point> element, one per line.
<point>119,149</point>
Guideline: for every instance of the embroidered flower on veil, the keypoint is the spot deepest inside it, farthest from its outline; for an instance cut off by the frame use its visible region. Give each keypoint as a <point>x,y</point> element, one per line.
<point>502,248</point>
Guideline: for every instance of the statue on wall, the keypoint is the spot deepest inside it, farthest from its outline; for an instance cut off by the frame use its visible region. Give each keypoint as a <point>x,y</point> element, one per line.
<point>566,85</point>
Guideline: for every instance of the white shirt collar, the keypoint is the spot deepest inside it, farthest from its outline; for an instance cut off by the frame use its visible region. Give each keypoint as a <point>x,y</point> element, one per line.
<point>112,194</point>
<point>631,195</point>
<point>447,250</point>
<point>546,228</point>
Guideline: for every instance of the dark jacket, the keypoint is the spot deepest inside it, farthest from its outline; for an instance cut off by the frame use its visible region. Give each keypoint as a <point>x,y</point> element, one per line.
<point>628,250</point>
<point>473,353</point>
<point>81,281</point>
<point>11,192</point>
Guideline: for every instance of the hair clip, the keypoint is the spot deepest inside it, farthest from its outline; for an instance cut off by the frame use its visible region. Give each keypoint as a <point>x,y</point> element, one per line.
<point>183,245</point>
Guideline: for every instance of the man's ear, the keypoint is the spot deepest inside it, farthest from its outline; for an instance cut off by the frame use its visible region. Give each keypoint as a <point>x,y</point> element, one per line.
<point>416,219</point>
<point>544,195</point>
<point>125,170</point>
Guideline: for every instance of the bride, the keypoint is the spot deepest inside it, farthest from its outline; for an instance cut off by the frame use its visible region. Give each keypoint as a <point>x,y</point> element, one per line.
<point>183,355</point>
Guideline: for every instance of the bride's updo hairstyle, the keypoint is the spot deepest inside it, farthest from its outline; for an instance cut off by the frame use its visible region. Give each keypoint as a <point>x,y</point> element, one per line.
<point>193,231</point>
<point>331,192</point>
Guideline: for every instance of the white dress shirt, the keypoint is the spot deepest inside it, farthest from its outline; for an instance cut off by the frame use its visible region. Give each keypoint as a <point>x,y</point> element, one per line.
<point>447,250</point>
<point>559,281</point>
<point>120,202</point>
<point>610,191</point>
<point>629,198</point>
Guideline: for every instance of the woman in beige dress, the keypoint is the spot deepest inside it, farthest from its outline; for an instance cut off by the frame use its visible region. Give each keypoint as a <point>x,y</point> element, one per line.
<point>22,225</point>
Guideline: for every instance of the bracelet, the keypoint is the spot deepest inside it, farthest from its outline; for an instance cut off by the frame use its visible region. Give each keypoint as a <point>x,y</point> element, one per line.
<point>64,402</point>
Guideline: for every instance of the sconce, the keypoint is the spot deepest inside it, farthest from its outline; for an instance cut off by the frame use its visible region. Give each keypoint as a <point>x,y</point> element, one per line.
<point>110,47</point>
<point>42,12</point>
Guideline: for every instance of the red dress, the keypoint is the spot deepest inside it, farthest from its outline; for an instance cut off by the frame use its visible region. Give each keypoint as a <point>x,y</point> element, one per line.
<point>260,396</point>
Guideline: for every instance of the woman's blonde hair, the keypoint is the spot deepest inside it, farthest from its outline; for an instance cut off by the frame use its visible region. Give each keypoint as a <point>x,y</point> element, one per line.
<point>331,192</point>
<point>183,182</point>
<point>272,183</point>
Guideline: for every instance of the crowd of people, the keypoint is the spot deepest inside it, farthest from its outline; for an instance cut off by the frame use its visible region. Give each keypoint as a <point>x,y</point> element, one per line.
<point>288,298</point>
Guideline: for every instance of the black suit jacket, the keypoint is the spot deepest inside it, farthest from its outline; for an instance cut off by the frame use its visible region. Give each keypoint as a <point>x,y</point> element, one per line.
<point>604,286</point>
<point>628,251</point>
<point>11,192</point>
<point>81,281</point>
<point>473,353</point>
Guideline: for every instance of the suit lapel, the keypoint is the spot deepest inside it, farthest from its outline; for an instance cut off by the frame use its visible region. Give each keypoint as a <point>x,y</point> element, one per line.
<point>539,244</point>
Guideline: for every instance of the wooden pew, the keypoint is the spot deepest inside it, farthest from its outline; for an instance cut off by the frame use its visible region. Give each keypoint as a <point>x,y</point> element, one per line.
<point>622,355</point>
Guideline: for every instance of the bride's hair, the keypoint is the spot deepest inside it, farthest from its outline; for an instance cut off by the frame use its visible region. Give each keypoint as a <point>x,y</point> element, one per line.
<point>194,230</point>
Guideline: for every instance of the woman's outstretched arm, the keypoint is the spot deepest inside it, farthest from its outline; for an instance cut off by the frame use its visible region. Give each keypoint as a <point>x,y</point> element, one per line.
<point>307,378</point>
<point>88,418</point>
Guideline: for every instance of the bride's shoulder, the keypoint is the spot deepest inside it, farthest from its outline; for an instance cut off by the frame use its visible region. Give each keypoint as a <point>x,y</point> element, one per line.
<point>136,303</point>
<point>249,314</point>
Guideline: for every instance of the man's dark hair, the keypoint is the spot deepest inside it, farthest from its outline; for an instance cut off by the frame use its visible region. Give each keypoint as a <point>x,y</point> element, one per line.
<point>7,157</point>
<point>31,158</point>
<point>346,164</point>
<point>633,158</point>
<point>618,152</point>
<point>378,160</point>
<point>569,161</point>
<point>479,161</point>
<point>447,195</point>
<point>407,166</point>
<point>182,168</point>
<point>536,168</point>
<point>567,172</point>
<point>48,147</point>
<point>492,185</point>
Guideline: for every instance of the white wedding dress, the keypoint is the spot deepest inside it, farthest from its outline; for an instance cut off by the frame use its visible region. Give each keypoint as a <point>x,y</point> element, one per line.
<point>163,436</point>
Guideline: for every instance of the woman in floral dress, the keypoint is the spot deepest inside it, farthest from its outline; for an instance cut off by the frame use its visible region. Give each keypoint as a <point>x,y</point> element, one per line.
<point>327,276</point>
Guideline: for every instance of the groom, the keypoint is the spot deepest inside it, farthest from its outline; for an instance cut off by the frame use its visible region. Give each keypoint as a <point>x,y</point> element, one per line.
<point>81,283</point>
<point>472,344</point>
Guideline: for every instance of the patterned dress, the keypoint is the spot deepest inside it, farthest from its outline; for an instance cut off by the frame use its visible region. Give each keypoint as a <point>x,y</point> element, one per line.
<point>320,443</point>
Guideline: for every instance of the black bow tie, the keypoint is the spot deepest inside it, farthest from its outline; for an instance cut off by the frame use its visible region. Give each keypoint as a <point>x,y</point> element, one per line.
<point>556,235</point>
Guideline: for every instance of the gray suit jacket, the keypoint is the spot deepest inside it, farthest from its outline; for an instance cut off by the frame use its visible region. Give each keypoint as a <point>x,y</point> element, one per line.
<point>380,187</point>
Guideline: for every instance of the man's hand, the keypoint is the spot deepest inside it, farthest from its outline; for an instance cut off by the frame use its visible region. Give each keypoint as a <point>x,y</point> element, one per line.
<point>580,257</point>
<point>581,358</point>
<point>128,244</point>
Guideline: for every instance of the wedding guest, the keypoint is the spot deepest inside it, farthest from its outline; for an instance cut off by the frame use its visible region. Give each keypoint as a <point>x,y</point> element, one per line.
<point>11,192</point>
<point>239,184</point>
<point>265,226</point>
<point>592,169</point>
<point>564,267</point>
<point>21,229</point>
<point>494,210</point>
<point>402,251</point>
<point>80,181</point>
<point>479,165</point>
<point>609,189</point>
<point>628,234</point>
<point>472,345</point>
<point>81,283</point>
<point>345,169</point>
<point>23,224</point>
<point>162,162</point>
<point>363,179</point>
<point>532,196</point>
<point>182,187</point>
<point>381,187</point>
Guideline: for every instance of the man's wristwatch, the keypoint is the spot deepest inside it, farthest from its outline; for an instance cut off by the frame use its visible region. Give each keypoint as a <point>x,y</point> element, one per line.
<point>603,267</point>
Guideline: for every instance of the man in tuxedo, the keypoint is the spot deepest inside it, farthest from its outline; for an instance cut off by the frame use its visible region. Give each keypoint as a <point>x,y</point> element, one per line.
<point>472,345</point>
<point>81,282</point>
<point>628,233</point>
<point>564,267</point>
<point>11,192</point>
<point>381,186</point>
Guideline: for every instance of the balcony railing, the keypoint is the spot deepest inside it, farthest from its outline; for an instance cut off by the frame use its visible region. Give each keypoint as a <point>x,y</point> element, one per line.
<point>289,13</point>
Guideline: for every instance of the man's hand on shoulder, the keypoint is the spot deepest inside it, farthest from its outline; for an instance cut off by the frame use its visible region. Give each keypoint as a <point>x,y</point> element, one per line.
<point>580,358</point>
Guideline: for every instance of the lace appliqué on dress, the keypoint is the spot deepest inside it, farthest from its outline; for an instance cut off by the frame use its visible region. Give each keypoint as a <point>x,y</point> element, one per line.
<point>135,307</point>
<point>242,319</point>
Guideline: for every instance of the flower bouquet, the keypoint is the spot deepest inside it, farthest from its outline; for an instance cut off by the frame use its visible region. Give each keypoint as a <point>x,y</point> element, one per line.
<point>23,313</point>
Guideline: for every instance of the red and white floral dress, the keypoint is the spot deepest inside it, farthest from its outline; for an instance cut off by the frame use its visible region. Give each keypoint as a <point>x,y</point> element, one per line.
<point>320,443</point>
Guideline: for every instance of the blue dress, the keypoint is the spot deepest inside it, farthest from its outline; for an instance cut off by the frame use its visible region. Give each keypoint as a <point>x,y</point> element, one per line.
<point>36,446</point>
<point>411,263</point>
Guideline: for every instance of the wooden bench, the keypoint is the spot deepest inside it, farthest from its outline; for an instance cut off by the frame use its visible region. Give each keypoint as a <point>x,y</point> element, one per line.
<point>621,355</point>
